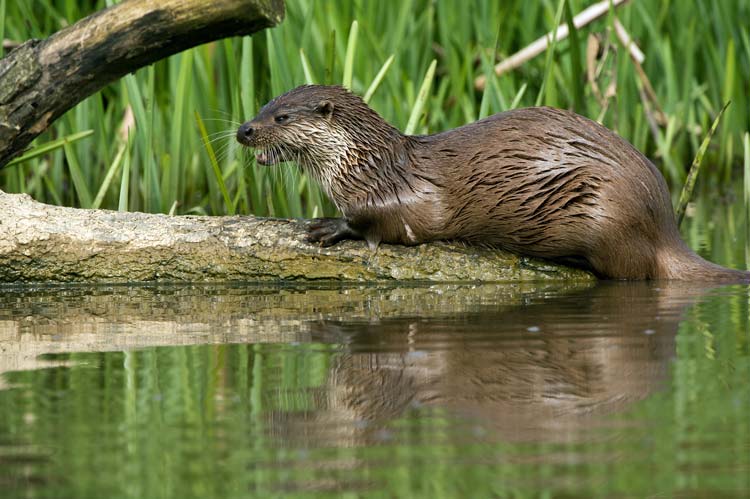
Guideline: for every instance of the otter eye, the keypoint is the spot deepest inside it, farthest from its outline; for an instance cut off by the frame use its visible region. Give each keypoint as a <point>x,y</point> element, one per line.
<point>281,118</point>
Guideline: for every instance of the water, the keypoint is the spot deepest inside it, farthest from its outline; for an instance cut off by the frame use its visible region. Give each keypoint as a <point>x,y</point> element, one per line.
<point>526,390</point>
<point>608,390</point>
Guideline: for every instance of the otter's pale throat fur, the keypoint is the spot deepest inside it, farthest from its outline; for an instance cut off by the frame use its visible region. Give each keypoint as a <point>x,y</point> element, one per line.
<point>539,181</point>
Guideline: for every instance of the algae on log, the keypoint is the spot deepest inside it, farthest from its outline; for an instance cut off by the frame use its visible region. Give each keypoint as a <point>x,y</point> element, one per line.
<point>40,80</point>
<point>44,243</point>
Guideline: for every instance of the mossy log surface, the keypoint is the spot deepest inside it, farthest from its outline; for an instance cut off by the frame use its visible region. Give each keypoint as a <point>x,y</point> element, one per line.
<point>41,79</point>
<point>44,243</point>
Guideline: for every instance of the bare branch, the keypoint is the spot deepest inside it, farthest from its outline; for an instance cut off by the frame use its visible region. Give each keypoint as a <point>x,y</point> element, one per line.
<point>586,16</point>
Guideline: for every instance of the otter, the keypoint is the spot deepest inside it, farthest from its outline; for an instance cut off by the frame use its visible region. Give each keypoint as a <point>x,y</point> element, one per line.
<point>539,181</point>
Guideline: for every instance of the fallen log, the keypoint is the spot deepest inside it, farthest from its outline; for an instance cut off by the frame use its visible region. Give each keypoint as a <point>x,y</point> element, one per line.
<point>44,243</point>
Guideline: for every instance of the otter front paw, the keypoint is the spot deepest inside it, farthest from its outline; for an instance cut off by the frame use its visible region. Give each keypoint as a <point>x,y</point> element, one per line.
<point>329,231</point>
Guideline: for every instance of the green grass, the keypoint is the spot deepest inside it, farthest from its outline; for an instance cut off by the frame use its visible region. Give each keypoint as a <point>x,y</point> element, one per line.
<point>697,58</point>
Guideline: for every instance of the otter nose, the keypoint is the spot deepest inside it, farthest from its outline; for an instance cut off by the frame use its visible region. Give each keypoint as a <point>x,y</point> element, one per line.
<point>245,133</point>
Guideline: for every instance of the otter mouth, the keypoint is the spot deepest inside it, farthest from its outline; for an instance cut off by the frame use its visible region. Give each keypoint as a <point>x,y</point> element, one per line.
<point>262,157</point>
<point>268,157</point>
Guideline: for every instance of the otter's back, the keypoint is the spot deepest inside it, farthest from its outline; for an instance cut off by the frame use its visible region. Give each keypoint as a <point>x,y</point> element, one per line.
<point>553,184</point>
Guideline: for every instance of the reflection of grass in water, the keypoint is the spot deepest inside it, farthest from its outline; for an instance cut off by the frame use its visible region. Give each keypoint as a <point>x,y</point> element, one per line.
<point>711,393</point>
<point>746,143</point>
<point>717,227</point>
<point>200,421</point>
<point>213,421</point>
<point>695,66</point>
<point>160,420</point>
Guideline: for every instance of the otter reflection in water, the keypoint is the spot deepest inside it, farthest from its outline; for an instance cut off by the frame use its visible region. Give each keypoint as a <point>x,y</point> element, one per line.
<point>533,372</point>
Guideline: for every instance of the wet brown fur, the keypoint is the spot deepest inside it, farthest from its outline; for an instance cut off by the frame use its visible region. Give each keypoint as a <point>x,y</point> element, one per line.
<point>538,181</point>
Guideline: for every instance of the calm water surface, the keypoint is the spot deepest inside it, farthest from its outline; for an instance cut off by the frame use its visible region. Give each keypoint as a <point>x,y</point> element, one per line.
<point>609,390</point>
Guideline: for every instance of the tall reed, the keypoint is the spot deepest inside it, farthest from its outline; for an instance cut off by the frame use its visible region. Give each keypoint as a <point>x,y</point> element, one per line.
<point>697,58</point>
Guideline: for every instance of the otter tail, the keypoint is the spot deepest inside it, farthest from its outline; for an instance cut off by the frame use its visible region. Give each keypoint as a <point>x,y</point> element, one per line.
<point>685,264</point>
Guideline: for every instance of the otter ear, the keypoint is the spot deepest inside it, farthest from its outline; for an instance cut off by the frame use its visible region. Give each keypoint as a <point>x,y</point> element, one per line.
<point>324,108</point>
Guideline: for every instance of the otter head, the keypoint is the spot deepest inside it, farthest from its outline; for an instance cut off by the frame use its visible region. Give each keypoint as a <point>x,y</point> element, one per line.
<point>328,131</point>
<point>296,126</point>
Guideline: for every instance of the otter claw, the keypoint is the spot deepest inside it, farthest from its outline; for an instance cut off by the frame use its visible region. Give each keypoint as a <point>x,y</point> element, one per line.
<point>329,231</point>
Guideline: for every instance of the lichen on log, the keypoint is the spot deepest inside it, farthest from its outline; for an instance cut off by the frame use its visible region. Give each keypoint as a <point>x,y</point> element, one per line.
<point>44,243</point>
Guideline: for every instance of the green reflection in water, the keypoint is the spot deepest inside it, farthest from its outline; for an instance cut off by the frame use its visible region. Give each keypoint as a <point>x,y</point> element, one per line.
<point>615,389</point>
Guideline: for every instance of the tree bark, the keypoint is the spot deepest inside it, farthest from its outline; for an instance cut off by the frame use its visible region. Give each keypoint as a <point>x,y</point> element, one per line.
<point>40,80</point>
<point>44,243</point>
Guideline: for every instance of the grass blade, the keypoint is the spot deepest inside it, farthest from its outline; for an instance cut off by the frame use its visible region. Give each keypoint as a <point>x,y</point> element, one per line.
<point>2,27</point>
<point>215,164</point>
<point>247,75</point>
<point>576,67</point>
<point>111,171</point>
<point>746,144</point>
<point>124,201</point>
<point>171,184</point>
<point>687,190</point>
<point>306,67</point>
<point>518,97</point>
<point>550,53</point>
<point>49,147</point>
<point>416,112</point>
<point>378,79</point>
<point>331,58</point>
<point>727,95</point>
<point>351,47</point>
<point>79,180</point>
